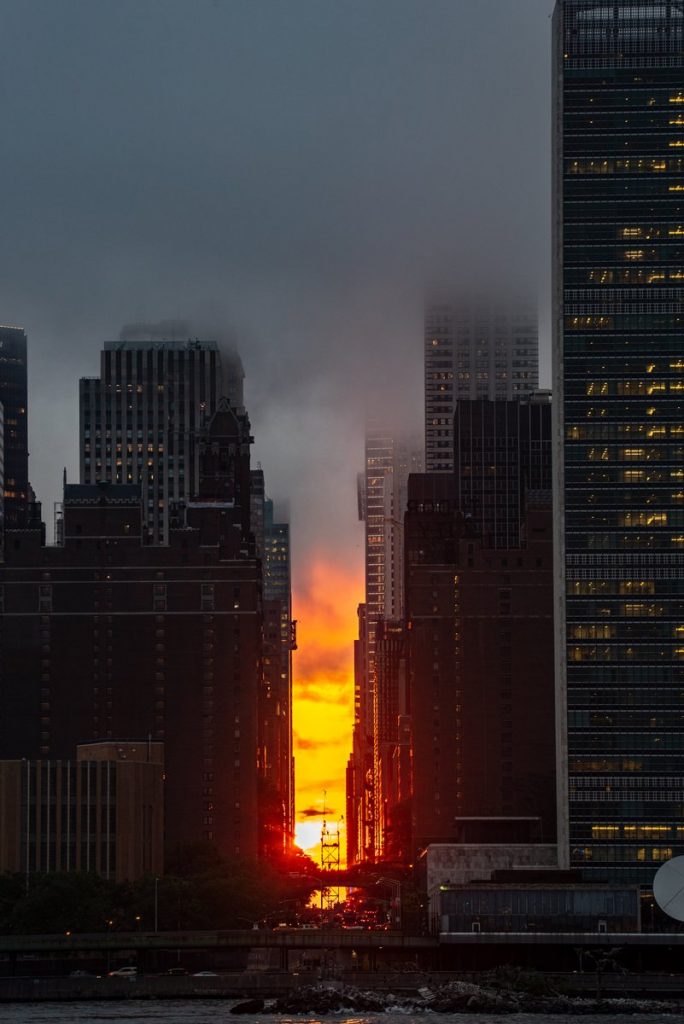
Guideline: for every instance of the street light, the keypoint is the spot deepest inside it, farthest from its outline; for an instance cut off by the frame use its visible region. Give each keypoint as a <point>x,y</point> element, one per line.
<point>156,904</point>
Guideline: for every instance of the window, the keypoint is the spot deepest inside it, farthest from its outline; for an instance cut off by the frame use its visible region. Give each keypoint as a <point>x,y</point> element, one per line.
<point>159,597</point>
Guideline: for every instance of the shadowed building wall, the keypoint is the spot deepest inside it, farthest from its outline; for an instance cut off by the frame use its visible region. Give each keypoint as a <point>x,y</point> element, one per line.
<point>107,637</point>
<point>480,643</point>
<point>14,399</point>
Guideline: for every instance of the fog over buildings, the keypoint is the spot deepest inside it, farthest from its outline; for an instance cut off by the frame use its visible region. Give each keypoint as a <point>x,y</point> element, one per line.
<point>288,176</point>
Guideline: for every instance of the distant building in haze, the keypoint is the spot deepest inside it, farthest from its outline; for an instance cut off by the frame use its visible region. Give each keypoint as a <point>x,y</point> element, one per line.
<point>141,418</point>
<point>257,500</point>
<point>474,349</point>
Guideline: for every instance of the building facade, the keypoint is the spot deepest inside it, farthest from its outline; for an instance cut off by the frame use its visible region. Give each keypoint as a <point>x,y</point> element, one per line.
<point>474,348</point>
<point>359,795</point>
<point>279,643</point>
<point>479,633</point>
<point>619,388</point>
<point>523,906</point>
<point>391,743</point>
<point>141,418</point>
<point>103,812</point>
<point>502,454</point>
<point>106,636</point>
<point>14,399</point>
<point>389,459</point>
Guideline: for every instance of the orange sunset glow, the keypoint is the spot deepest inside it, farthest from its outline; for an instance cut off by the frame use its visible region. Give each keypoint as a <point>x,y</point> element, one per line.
<point>325,602</point>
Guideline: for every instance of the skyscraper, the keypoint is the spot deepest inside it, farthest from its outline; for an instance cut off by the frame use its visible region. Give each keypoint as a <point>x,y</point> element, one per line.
<point>479,644</point>
<point>13,396</point>
<point>382,489</point>
<point>619,396</point>
<point>139,420</point>
<point>276,763</point>
<point>278,673</point>
<point>360,765</point>
<point>389,458</point>
<point>474,348</point>
<point>502,452</point>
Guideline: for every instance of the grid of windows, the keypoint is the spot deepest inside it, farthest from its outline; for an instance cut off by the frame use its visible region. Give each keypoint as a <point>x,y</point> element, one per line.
<point>619,181</point>
<point>140,419</point>
<point>474,350</point>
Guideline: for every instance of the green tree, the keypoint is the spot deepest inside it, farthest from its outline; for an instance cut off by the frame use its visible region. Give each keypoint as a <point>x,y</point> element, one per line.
<point>78,902</point>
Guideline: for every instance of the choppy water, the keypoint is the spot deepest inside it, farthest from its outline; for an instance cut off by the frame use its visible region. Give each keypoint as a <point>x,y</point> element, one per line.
<point>216,1011</point>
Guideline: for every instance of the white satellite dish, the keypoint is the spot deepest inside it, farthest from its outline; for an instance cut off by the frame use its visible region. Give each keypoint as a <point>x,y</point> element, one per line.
<point>668,888</point>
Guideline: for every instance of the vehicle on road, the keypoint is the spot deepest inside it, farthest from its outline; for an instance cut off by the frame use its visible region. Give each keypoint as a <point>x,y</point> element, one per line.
<point>124,972</point>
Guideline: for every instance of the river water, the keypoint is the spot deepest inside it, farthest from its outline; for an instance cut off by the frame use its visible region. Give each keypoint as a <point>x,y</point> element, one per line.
<point>216,1011</point>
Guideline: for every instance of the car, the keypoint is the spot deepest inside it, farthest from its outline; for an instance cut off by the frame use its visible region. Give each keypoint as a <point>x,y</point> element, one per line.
<point>124,972</point>
<point>205,974</point>
<point>81,974</point>
<point>176,972</point>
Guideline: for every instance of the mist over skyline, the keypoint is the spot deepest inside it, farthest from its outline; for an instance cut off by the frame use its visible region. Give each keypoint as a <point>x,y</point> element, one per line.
<point>291,179</point>
<point>290,176</point>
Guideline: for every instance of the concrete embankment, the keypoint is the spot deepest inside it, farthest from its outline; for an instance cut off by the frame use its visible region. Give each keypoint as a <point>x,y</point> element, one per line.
<point>274,985</point>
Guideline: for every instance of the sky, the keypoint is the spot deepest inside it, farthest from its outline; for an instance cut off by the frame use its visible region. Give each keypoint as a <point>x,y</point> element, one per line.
<point>291,175</point>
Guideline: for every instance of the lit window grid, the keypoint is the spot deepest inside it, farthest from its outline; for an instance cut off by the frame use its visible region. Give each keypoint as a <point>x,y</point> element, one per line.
<point>625,668</point>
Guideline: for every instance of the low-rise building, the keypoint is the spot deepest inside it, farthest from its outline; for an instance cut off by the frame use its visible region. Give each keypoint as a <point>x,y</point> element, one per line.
<point>539,907</point>
<point>102,812</point>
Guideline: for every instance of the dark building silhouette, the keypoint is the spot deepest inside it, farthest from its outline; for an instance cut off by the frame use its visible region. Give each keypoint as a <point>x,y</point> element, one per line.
<point>479,634</point>
<point>105,637</point>
<point>275,705</point>
<point>359,795</point>
<point>14,399</point>
<point>502,451</point>
<point>619,380</point>
<point>391,737</point>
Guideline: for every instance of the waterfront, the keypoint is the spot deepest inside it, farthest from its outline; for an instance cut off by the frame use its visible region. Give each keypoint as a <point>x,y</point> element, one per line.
<point>217,1011</point>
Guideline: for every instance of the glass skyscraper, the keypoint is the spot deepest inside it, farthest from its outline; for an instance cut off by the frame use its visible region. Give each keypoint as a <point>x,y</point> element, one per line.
<point>619,396</point>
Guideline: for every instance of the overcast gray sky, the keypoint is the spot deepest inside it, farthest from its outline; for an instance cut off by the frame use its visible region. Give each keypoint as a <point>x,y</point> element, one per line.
<point>294,172</point>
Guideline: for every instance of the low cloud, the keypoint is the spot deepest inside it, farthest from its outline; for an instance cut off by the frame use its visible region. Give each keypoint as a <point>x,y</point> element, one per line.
<point>317,812</point>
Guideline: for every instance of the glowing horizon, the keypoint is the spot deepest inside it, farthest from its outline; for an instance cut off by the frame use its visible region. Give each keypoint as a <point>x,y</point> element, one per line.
<point>325,605</point>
